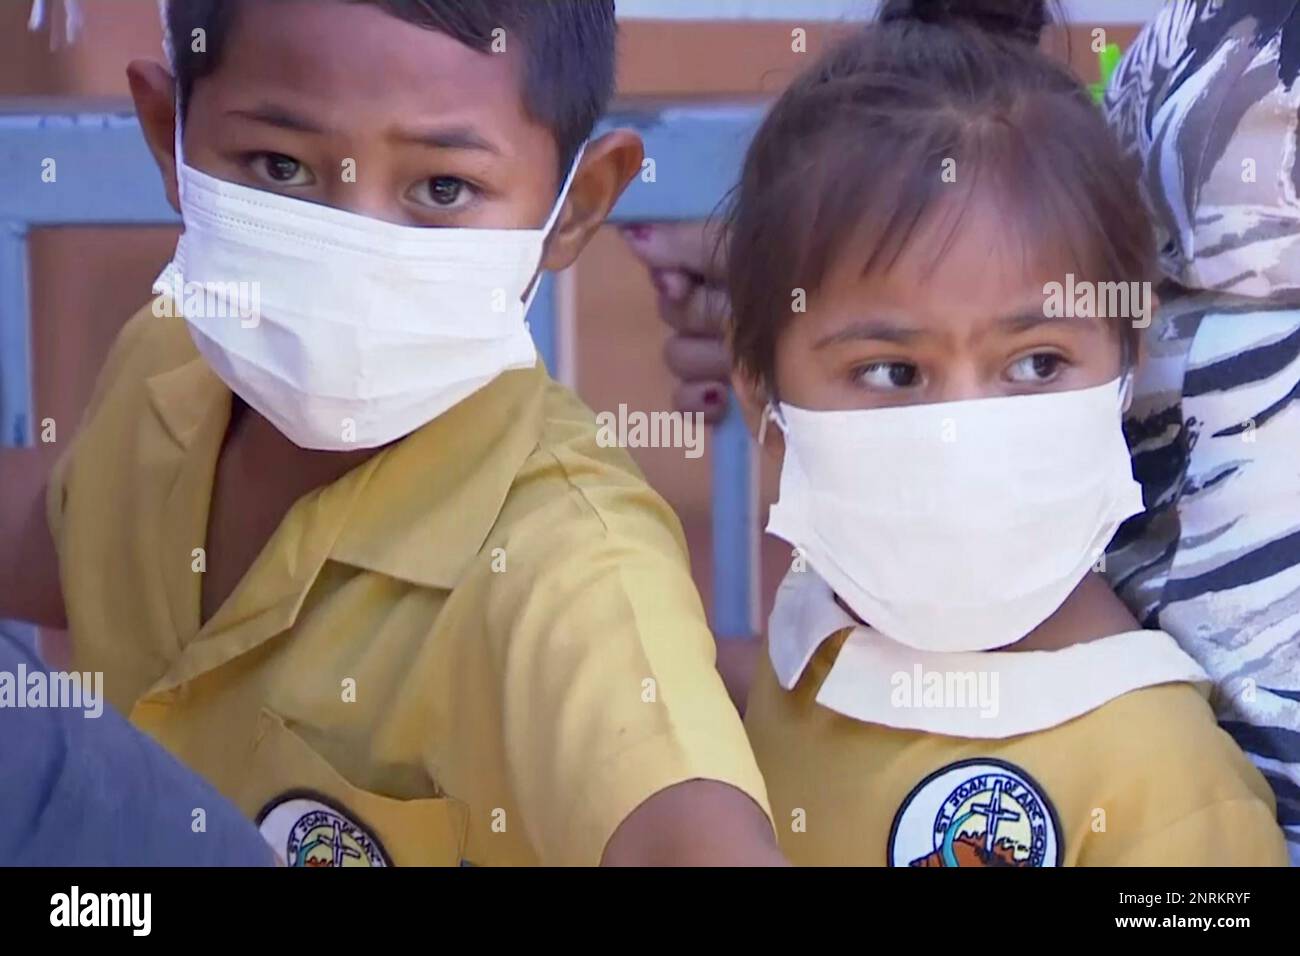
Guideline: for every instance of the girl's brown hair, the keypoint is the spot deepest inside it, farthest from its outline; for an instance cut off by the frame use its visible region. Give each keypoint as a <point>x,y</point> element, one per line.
<point>853,156</point>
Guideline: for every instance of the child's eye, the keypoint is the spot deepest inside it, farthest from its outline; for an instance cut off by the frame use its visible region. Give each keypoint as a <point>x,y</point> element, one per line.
<point>443,192</point>
<point>280,169</point>
<point>886,375</point>
<point>1036,369</point>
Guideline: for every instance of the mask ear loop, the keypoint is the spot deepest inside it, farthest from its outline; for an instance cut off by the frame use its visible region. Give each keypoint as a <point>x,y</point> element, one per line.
<point>554,217</point>
<point>178,136</point>
<point>168,282</point>
<point>551,220</point>
<point>1127,373</point>
<point>771,413</point>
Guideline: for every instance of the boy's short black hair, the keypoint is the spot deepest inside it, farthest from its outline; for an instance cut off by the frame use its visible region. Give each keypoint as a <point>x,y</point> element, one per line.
<point>570,49</point>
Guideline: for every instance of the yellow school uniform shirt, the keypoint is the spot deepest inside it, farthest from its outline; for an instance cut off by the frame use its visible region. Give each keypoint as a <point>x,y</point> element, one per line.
<point>1102,754</point>
<point>481,646</point>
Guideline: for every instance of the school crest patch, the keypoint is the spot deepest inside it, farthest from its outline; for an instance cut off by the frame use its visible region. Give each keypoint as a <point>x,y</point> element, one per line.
<point>980,812</point>
<point>307,831</point>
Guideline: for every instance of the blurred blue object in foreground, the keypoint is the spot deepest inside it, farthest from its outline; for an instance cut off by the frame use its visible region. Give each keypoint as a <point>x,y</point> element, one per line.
<point>81,787</point>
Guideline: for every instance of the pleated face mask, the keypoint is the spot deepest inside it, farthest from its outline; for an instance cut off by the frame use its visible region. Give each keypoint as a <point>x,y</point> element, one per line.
<point>347,332</point>
<point>957,526</point>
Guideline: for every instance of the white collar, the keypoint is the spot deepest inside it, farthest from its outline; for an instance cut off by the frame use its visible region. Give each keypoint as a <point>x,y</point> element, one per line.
<point>984,694</point>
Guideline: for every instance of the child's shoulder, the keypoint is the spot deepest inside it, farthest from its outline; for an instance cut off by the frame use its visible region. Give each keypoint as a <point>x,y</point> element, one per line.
<point>1172,730</point>
<point>151,341</point>
<point>1168,777</point>
<point>579,472</point>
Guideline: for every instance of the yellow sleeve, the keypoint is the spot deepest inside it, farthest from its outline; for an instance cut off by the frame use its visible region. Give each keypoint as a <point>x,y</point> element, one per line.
<point>609,686</point>
<point>1242,832</point>
<point>92,502</point>
<point>118,355</point>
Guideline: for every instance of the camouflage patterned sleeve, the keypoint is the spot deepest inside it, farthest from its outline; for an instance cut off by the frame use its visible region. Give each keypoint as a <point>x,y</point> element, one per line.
<point>1207,102</point>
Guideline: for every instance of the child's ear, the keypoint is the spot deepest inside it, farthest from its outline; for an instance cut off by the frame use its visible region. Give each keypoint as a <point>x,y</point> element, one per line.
<point>756,405</point>
<point>607,167</point>
<point>154,92</point>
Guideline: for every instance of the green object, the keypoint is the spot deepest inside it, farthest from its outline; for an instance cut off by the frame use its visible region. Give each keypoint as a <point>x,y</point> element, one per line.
<point>1108,61</point>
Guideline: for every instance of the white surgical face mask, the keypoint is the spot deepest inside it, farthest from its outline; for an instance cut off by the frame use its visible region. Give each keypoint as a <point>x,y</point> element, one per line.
<point>347,332</point>
<point>959,526</point>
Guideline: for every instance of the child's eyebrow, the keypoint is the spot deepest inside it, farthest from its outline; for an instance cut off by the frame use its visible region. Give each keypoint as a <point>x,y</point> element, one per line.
<point>446,137</point>
<point>436,137</point>
<point>875,330</point>
<point>882,331</point>
<point>279,117</point>
<point>1026,321</point>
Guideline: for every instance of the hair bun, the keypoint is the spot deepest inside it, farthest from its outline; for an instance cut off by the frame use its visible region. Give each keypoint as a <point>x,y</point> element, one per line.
<point>1019,19</point>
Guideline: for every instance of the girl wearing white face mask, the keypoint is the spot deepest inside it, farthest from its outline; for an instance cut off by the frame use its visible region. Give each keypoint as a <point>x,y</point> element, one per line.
<point>939,271</point>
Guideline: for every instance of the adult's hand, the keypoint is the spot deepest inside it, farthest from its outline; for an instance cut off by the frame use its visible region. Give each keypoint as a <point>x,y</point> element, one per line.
<point>687,268</point>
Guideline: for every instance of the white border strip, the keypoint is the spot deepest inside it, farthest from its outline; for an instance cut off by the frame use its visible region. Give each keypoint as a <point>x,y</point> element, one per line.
<point>1076,11</point>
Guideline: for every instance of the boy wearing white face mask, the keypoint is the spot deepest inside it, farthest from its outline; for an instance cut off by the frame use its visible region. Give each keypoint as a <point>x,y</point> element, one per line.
<point>948,683</point>
<point>329,530</point>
